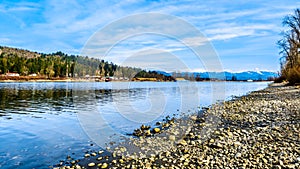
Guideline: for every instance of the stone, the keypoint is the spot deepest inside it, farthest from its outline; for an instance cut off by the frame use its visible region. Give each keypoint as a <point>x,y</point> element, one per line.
<point>229,134</point>
<point>156,130</point>
<point>172,138</point>
<point>78,167</point>
<point>238,155</point>
<point>194,118</point>
<point>123,149</point>
<point>237,143</point>
<point>218,145</point>
<point>143,127</point>
<point>148,133</point>
<point>182,142</point>
<point>265,160</point>
<point>291,166</point>
<point>91,164</point>
<point>104,165</point>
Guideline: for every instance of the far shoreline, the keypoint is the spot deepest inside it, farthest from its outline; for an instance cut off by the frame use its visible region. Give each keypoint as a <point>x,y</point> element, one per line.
<point>116,81</point>
<point>44,79</point>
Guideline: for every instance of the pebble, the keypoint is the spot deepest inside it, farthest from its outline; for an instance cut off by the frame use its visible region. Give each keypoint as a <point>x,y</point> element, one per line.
<point>182,142</point>
<point>91,164</point>
<point>104,165</point>
<point>172,138</point>
<point>156,130</point>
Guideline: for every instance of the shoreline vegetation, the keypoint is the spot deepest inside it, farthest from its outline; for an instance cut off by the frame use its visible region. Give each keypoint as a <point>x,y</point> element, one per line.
<point>258,130</point>
<point>62,79</point>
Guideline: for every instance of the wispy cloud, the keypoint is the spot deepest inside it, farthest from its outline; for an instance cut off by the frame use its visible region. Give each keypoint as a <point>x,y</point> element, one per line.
<point>157,60</point>
<point>6,40</point>
<point>232,31</point>
<point>19,7</point>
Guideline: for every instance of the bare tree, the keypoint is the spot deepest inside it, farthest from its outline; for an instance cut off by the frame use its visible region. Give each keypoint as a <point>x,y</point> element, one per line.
<point>290,48</point>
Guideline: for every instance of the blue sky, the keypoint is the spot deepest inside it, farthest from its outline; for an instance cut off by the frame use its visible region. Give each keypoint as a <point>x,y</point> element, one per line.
<point>244,34</point>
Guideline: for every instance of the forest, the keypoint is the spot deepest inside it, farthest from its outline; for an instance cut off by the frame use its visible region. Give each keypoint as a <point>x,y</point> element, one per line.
<point>154,74</point>
<point>59,64</point>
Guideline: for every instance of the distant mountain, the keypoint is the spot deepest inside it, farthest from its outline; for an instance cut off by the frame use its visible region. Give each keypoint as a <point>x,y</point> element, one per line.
<point>163,73</point>
<point>249,75</point>
<point>241,76</point>
<point>252,75</point>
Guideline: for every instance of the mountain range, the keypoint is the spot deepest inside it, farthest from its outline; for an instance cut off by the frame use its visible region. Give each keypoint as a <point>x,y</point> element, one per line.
<point>240,76</point>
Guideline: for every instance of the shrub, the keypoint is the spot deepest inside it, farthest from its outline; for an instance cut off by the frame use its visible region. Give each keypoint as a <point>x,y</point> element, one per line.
<point>293,75</point>
<point>279,79</point>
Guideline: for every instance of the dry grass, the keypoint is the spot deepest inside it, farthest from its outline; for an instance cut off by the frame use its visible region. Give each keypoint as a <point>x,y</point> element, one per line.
<point>293,75</point>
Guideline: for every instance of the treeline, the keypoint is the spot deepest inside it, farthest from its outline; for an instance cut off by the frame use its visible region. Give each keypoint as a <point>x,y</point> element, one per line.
<point>58,64</point>
<point>290,49</point>
<point>51,65</point>
<point>154,74</point>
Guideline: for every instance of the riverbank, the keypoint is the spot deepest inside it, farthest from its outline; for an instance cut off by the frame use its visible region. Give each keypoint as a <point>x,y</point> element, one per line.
<point>260,130</point>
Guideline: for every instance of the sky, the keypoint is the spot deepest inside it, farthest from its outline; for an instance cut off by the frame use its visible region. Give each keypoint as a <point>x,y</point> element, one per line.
<point>242,34</point>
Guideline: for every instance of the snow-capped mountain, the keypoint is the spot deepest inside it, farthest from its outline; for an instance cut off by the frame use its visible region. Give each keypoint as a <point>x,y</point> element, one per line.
<point>248,75</point>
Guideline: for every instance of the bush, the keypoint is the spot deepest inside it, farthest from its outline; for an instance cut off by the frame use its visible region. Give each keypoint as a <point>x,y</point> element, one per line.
<point>279,79</point>
<point>293,75</point>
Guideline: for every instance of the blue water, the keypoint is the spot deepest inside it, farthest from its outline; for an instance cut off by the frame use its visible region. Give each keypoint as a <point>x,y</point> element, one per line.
<point>42,123</point>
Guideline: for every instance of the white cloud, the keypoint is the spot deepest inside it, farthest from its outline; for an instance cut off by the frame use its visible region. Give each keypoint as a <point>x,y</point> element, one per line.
<point>21,8</point>
<point>233,28</point>
<point>160,31</point>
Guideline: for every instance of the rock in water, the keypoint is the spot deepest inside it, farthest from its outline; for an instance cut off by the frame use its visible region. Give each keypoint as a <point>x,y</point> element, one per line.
<point>156,130</point>
<point>91,164</point>
<point>104,165</point>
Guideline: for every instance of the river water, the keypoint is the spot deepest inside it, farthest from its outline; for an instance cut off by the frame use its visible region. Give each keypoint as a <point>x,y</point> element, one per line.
<point>42,123</point>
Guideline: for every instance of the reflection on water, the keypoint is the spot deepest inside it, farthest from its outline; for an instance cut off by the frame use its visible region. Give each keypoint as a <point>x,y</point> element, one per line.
<point>31,102</point>
<point>39,124</point>
<point>30,99</point>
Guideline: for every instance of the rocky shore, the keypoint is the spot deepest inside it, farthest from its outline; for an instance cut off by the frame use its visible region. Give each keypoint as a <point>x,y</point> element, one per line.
<point>260,130</point>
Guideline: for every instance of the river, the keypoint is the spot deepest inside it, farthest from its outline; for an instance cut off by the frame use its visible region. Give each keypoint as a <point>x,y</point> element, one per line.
<point>42,123</point>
